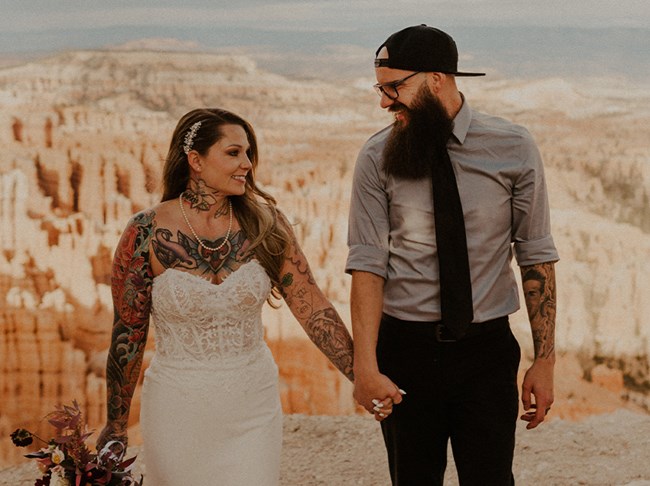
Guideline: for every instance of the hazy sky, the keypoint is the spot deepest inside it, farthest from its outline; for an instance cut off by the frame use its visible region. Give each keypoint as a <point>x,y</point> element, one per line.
<point>327,15</point>
<point>527,37</point>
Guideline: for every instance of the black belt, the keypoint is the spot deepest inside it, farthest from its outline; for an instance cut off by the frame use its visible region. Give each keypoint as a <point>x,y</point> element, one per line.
<point>442,334</point>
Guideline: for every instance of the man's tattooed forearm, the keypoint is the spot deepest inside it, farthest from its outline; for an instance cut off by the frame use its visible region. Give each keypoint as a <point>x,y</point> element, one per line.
<point>538,282</point>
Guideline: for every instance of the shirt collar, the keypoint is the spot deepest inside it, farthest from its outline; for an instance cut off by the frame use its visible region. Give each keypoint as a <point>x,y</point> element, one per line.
<point>461,121</point>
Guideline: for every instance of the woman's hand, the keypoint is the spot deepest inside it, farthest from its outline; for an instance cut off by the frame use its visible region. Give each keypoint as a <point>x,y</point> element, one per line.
<point>112,432</point>
<point>382,408</point>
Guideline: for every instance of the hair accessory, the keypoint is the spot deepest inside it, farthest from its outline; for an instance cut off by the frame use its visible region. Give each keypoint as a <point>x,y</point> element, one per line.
<point>189,137</point>
<point>420,48</point>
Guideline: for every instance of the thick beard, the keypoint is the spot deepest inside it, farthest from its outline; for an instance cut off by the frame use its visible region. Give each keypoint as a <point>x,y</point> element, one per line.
<point>412,145</point>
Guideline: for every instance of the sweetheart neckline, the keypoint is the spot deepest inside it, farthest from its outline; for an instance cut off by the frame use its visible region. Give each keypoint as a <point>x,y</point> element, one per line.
<point>205,279</point>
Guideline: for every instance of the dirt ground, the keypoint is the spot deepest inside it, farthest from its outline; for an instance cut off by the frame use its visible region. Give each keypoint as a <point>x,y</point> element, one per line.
<point>611,449</point>
<point>604,450</point>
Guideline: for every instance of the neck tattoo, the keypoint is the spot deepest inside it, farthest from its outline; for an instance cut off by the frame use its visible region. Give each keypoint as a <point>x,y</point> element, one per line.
<point>203,245</point>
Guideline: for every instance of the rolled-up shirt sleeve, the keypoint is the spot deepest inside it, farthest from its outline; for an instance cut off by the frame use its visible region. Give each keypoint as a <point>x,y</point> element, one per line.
<point>531,222</point>
<point>368,227</point>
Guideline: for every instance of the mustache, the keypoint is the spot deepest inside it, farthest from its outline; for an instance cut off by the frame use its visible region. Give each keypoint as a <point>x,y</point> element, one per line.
<point>397,106</point>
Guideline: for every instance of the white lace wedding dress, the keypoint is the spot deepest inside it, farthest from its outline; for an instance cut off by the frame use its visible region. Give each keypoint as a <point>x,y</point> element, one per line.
<point>211,413</point>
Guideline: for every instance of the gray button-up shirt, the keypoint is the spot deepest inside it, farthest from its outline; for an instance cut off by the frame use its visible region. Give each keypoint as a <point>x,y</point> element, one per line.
<point>503,192</point>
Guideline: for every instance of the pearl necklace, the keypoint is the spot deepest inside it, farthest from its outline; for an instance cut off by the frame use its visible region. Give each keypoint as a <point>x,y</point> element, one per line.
<point>180,202</point>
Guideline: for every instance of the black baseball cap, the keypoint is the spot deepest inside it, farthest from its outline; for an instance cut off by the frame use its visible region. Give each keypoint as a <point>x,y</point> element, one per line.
<point>420,48</point>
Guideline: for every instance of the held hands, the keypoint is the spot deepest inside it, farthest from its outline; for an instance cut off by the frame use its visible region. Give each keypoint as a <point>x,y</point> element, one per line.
<point>538,381</point>
<point>369,390</point>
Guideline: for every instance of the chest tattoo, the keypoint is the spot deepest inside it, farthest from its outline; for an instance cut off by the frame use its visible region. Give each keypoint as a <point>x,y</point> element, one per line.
<point>185,253</point>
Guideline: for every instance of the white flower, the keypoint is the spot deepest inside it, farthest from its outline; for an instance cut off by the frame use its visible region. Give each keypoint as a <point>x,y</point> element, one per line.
<point>57,456</point>
<point>58,478</point>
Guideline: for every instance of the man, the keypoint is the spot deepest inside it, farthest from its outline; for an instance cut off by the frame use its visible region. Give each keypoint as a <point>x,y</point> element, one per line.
<point>440,200</point>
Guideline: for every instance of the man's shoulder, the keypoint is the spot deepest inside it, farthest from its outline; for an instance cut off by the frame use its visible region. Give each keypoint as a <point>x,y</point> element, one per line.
<point>371,151</point>
<point>378,139</point>
<point>486,124</point>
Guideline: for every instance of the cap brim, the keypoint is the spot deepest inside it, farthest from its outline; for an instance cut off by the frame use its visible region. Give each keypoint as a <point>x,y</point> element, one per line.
<point>385,62</point>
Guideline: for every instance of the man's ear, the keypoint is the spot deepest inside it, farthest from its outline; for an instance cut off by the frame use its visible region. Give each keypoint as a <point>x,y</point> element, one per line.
<point>435,81</point>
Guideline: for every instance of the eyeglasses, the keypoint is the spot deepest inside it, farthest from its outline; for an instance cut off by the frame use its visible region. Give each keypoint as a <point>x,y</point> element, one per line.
<point>390,89</point>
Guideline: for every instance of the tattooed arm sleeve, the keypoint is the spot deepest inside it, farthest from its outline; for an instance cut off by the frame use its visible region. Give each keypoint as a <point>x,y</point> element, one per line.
<point>131,281</point>
<point>314,311</point>
<point>538,282</point>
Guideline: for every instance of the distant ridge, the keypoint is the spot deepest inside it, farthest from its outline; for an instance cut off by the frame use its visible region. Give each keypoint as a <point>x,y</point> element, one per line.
<point>165,44</point>
<point>517,51</point>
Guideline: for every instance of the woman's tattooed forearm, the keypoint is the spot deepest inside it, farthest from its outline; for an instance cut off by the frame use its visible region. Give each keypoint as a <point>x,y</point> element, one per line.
<point>131,287</point>
<point>327,331</point>
<point>538,283</point>
<point>123,370</point>
<point>288,290</point>
<point>321,322</point>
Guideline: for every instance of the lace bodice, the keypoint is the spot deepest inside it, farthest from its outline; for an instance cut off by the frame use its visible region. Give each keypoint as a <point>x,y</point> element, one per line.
<point>197,322</point>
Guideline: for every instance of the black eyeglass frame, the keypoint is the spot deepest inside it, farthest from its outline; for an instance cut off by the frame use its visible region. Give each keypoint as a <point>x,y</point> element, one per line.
<point>379,88</point>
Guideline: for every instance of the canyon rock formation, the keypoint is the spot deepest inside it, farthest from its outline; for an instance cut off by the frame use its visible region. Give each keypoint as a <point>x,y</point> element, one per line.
<point>84,135</point>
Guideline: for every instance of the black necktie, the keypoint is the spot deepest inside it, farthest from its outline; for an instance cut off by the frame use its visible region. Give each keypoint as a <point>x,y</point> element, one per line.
<point>455,282</point>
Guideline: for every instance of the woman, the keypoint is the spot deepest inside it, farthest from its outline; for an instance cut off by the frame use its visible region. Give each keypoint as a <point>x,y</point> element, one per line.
<point>203,262</point>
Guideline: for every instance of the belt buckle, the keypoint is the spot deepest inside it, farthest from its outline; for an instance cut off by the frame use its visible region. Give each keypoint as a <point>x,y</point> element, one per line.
<point>438,334</point>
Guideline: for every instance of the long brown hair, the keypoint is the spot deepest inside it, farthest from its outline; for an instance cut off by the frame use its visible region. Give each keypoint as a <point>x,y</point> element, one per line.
<point>255,210</point>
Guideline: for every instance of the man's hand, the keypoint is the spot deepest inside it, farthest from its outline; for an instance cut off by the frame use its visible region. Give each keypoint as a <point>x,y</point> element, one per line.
<point>376,393</point>
<point>538,382</point>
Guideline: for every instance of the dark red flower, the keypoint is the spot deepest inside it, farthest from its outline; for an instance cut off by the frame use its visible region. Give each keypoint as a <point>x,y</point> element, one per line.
<point>21,437</point>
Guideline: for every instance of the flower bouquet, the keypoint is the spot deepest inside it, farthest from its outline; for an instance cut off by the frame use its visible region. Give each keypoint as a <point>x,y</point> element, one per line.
<point>67,461</point>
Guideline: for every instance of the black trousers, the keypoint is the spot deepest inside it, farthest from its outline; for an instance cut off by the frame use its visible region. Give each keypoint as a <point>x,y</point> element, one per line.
<point>464,392</point>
